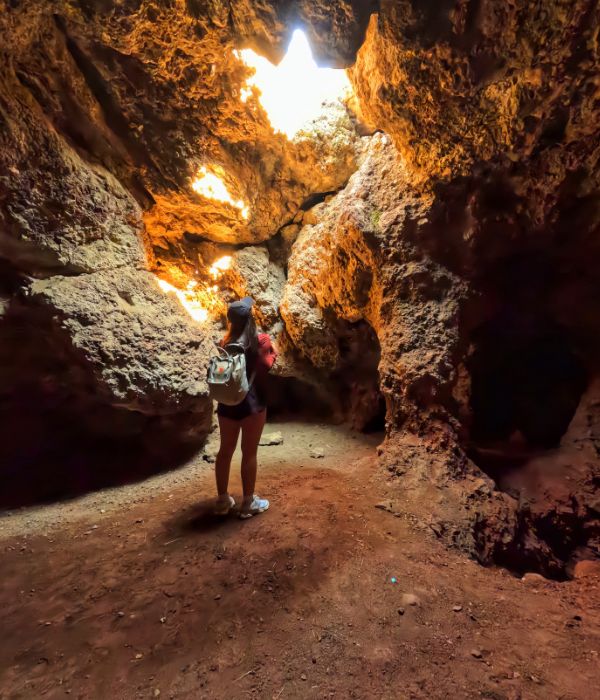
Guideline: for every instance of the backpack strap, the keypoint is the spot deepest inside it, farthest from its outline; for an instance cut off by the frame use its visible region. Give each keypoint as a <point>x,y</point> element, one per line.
<point>239,348</point>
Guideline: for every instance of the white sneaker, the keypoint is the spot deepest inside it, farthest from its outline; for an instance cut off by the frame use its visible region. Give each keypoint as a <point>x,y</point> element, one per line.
<point>255,506</point>
<point>224,504</point>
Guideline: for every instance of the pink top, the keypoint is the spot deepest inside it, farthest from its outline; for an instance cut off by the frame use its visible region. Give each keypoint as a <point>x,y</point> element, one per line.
<point>266,354</point>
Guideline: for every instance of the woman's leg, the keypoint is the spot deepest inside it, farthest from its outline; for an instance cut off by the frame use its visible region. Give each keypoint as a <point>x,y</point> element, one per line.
<point>229,430</point>
<point>252,428</point>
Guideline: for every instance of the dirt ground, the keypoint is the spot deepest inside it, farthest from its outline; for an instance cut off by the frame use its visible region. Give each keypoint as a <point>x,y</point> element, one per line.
<point>139,592</point>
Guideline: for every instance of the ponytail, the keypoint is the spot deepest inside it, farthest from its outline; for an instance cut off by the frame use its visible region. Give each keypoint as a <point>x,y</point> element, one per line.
<point>244,333</point>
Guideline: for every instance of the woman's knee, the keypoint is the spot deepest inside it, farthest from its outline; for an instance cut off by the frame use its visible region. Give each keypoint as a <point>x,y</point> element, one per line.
<point>249,452</point>
<point>225,453</point>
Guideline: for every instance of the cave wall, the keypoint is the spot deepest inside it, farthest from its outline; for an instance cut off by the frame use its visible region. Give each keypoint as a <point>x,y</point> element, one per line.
<point>491,221</point>
<point>479,202</point>
<point>493,110</point>
<point>107,111</point>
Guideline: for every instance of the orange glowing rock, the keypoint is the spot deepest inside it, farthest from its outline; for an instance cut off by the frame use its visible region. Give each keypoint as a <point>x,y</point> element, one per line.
<point>210,185</point>
<point>220,266</point>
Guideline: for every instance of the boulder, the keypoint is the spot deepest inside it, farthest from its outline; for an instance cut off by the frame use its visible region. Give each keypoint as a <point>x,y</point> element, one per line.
<point>144,350</point>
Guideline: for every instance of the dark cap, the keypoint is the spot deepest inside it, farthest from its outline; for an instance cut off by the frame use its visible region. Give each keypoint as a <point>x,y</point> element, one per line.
<point>240,309</point>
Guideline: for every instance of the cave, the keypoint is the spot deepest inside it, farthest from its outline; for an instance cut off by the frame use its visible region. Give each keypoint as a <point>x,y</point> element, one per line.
<point>524,379</point>
<point>410,193</point>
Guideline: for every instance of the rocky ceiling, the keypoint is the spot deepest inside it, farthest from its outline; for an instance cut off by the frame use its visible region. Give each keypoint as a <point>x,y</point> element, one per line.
<point>450,210</point>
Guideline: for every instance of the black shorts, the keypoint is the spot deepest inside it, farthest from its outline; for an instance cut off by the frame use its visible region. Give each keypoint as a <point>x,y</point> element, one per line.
<point>250,406</point>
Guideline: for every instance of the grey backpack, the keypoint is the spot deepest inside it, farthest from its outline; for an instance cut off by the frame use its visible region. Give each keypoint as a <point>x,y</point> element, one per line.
<point>227,379</point>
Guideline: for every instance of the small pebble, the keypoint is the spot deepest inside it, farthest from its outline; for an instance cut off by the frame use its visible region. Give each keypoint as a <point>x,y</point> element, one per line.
<point>410,599</point>
<point>400,611</point>
<point>303,676</point>
<point>457,608</point>
<point>476,653</point>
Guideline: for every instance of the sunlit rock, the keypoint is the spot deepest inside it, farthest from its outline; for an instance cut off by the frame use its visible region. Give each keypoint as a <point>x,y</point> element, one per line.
<point>148,354</point>
<point>447,268</point>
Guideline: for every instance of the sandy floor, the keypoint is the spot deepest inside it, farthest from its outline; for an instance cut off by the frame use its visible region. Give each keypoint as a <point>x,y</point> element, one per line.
<point>139,592</point>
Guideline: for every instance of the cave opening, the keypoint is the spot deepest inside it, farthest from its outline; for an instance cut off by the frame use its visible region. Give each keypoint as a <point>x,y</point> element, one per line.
<point>528,371</point>
<point>526,379</point>
<point>296,92</point>
<point>528,382</point>
<point>351,393</point>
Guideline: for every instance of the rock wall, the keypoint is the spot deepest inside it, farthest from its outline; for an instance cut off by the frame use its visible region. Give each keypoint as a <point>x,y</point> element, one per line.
<point>488,106</point>
<point>107,112</point>
<point>463,235</point>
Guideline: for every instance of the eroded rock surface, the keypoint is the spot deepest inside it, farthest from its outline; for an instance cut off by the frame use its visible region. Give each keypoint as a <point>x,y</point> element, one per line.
<point>147,355</point>
<point>460,83</point>
<point>378,253</point>
<point>450,266</point>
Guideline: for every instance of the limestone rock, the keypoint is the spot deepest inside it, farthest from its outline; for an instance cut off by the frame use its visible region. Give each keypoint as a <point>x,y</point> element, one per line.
<point>432,76</point>
<point>147,354</point>
<point>253,274</point>
<point>57,211</point>
<point>269,439</point>
<point>477,213</point>
<point>170,89</point>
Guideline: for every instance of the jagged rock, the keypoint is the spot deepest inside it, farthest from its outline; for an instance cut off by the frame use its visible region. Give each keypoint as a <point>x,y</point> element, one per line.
<point>269,439</point>
<point>432,77</point>
<point>472,239</point>
<point>172,104</point>
<point>146,353</point>
<point>57,211</point>
<point>253,274</point>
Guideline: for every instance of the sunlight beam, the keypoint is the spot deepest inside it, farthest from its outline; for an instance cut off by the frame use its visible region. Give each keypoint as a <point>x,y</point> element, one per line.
<point>294,93</point>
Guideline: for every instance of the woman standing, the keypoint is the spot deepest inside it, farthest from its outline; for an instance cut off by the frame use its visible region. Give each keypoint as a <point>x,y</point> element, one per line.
<point>249,416</point>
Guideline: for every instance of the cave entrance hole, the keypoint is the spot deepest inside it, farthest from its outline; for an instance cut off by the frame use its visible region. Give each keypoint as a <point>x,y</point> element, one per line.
<point>297,92</point>
<point>349,394</point>
<point>526,384</point>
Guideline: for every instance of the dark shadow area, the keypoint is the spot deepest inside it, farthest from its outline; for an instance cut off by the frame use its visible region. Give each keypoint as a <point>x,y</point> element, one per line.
<point>291,398</point>
<point>59,437</point>
<point>525,378</point>
<point>357,377</point>
<point>500,461</point>
<point>530,362</point>
<point>199,518</point>
<point>349,394</point>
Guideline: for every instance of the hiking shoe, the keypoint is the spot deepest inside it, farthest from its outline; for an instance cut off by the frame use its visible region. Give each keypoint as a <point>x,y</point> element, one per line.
<point>223,505</point>
<point>254,507</point>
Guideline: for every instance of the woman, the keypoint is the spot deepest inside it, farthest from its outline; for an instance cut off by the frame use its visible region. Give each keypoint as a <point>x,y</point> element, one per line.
<point>249,416</point>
